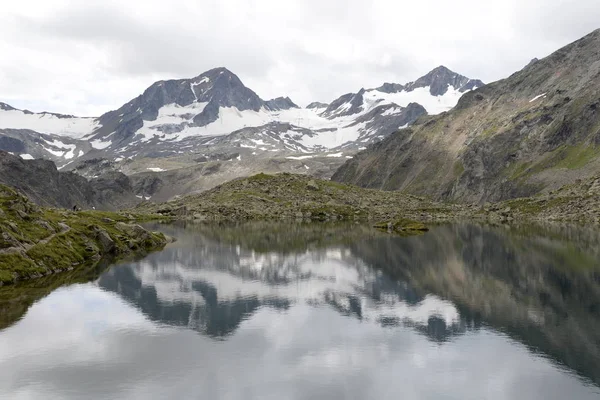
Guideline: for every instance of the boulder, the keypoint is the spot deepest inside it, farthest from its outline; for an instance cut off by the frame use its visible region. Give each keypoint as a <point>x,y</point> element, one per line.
<point>312,185</point>
<point>107,245</point>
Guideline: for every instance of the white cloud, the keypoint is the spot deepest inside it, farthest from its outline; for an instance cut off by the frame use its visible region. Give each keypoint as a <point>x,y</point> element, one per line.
<point>87,57</point>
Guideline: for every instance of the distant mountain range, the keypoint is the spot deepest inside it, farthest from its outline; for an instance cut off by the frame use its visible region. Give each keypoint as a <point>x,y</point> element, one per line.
<point>216,127</point>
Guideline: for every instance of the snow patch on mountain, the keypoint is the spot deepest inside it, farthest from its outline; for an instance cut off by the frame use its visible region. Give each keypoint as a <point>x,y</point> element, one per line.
<point>537,97</point>
<point>64,125</point>
<point>433,104</point>
<point>175,123</point>
<point>99,144</point>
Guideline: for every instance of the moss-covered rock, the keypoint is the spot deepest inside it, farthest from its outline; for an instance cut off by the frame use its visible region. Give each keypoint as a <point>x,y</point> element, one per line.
<point>403,226</point>
<point>35,241</point>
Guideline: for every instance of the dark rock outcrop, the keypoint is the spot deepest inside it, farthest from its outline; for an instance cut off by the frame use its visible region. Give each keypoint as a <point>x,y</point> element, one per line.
<point>280,103</point>
<point>440,79</point>
<point>348,104</point>
<point>45,185</point>
<point>316,104</point>
<point>390,88</point>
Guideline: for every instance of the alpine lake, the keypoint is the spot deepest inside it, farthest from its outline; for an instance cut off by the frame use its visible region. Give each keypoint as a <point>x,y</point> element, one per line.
<point>316,311</point>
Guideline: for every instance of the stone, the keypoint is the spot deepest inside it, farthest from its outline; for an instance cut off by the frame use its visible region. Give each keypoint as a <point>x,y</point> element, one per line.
<point>106,243</point>
<point>181,211</point>
<point>46,226</point>
<point>133,230</point>
<point>200,217</point>
<point>312,185</point>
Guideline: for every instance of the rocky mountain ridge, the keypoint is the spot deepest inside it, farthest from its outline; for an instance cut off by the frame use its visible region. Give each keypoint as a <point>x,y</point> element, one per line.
<point>530,133</point>
<point>45,185</point>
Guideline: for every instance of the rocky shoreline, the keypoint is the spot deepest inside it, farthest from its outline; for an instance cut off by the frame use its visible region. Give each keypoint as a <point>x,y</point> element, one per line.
<point>286,196</point>
<point>36,241</point>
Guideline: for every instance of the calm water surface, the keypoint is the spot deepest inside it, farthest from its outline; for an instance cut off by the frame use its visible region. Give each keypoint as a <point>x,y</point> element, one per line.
<point>317,312</point>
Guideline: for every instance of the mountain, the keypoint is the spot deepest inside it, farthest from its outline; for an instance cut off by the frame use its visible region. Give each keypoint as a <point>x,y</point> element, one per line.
<point>213,123</point>
<point>29,145</point>
<point>437,91</point>
<point>280,103</point>
<point>45,122</point>
<point>41,182</point>
<point>529,133</point>
<point>216,104</point>
<point>440,80</point>
<point>316,105</point>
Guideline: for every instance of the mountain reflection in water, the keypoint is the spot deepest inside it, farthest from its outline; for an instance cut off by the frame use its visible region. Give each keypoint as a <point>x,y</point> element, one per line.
<point>499,288</point>
<point>542,290</point>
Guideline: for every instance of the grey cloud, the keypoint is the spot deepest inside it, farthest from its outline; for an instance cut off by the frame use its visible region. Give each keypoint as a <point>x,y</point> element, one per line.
<point>333,46</point>
<point>137,47</point>
<point>557,22</point>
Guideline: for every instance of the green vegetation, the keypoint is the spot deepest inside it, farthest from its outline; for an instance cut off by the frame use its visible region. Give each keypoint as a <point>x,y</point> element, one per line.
<point>568,157</point>
<point>575,157</point>
<point>491,129</point>
<point>535,205</point>
<point>458,168</point>
<point>35,242</point>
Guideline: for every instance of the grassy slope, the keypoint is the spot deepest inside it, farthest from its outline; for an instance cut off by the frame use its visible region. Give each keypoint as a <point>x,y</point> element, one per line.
<point>576,202</point>
<point>36,241</point>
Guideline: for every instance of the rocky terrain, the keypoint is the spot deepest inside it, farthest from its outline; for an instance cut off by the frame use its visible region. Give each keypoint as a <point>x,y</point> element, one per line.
<point>289,196</point>
<point>576,202</point>
<point>36,241</point>
<point>300,197</point>
<point>530,133</point>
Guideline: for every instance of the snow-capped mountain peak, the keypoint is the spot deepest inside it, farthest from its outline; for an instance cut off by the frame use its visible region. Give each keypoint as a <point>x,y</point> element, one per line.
<point>441,79</point>
<point>215,113</point>
<point>437,91</point>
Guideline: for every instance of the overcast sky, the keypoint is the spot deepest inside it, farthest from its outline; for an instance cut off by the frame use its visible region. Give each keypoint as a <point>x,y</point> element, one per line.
<point>87,57</point>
